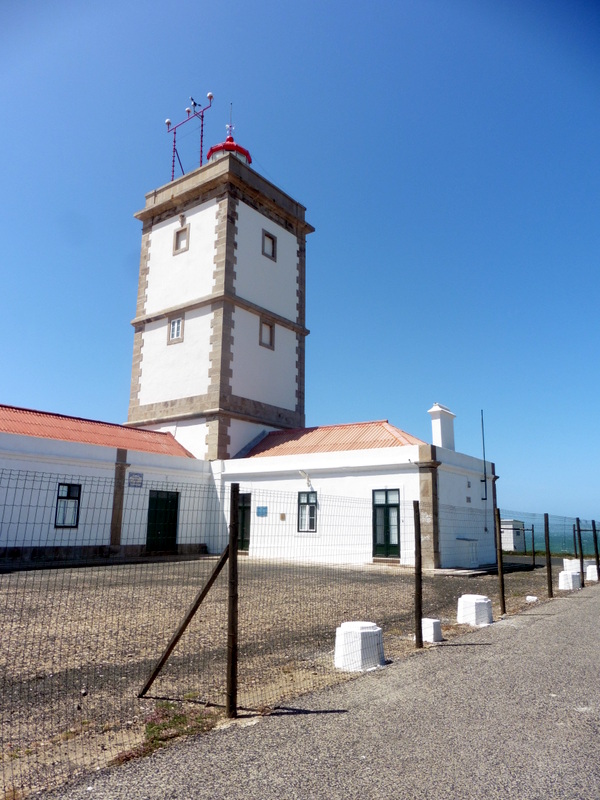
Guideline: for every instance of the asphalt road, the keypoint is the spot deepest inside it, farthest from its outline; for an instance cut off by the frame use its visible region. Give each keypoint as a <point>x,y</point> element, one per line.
<point>508,711</point>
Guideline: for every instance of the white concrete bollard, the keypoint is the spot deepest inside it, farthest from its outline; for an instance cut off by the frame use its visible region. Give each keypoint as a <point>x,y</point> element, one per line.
<point>431,629</point>
<point>474,609</point>
<point>358,646</point>
<point>567,581</point>
<point>573,564</point>
<point>591,573</point>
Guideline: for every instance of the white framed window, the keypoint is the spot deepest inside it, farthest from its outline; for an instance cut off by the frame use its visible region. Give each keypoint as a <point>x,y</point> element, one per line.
<point>67,505</point>
<point>269,245</point>
<point>307,512</point>
<point>175,329</point>
<point>181,240</point>
<point>267,334</point>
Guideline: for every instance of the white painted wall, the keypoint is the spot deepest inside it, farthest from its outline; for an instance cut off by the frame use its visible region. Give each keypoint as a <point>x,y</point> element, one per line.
<point>344,483</point>
<point>466,520</point>
<point>342,528</point>
<point>191,434</point>
<point>242,433</point>
<point>258,372</point>
<point>31,469</point>
<point>513,536</point>
<point>270,284</point>
<point>200,517</point>
<point>341,479</point>
<point>178,370</point>
<point>177,279</point>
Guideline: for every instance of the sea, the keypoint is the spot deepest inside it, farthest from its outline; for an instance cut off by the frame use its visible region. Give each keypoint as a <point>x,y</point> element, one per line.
<point>562,533</point>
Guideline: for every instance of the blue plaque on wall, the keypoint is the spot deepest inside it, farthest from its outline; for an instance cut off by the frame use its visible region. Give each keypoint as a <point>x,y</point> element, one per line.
<point>261,511</point>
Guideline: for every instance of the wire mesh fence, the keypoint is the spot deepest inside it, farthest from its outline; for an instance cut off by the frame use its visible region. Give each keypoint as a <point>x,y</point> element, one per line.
<point>85,621</point>
<point>51,517</point>
<point>80,639</point>
<point>562,530</point>
<point>468,537</point>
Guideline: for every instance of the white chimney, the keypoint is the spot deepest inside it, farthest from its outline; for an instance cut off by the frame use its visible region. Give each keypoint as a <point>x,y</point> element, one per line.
<point>442,426</point>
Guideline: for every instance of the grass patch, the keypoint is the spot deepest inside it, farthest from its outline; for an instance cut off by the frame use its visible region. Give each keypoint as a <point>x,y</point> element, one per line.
<point>170,721</point>
<point>12,794</point>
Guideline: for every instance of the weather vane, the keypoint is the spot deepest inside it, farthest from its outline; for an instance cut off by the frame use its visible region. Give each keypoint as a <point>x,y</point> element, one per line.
<point>195,112</point>
<point>230,127</point>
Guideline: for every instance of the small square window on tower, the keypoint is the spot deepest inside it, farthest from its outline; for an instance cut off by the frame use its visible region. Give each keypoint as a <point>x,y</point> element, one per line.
<point>269,245</point>
<point>181,240</point>
<point>267,334</point>
<point>175,329</point>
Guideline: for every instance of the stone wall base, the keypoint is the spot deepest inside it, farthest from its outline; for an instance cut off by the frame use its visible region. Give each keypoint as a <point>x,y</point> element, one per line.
<point>56,556</point>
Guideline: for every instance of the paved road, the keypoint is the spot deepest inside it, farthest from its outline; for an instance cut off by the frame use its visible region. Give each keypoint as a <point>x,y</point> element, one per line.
<point>508,711</point>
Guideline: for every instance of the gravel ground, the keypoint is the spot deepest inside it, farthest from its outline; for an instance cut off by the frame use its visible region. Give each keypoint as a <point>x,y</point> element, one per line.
<point>78,644</point>
<point>511,710</point>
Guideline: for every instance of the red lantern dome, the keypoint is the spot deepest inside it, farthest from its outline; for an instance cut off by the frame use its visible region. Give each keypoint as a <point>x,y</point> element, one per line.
<point>229,146</point>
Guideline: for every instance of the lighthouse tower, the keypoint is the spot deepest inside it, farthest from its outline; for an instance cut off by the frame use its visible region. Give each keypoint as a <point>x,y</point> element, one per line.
<point>220,321</point>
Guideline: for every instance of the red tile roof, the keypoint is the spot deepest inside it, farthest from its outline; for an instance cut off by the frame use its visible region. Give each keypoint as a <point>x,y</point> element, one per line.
<point>26,422</point>
<point>332,438</point>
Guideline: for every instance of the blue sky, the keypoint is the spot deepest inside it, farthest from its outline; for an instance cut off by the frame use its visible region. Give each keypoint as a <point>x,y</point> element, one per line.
<point>447,152</point>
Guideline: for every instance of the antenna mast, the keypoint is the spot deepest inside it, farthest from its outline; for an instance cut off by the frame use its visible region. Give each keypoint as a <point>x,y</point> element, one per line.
<point>484,479</point>
<point>195,112</point>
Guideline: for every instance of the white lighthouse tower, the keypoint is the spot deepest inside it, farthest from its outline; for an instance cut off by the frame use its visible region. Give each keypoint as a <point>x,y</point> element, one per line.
<point>220,322</point>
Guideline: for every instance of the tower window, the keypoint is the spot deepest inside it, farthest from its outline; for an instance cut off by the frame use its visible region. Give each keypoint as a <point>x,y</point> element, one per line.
<point>269,245</point>
<point>181,240</point>
<point>175,330</point>
<point>267,334</point>
<point>67,505</point>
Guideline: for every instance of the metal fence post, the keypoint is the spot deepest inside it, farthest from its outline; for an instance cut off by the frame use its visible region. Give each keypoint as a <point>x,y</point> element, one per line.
<point>548,557</point>
<point>532,546</point>
<point>186,621</point>
<point>595,535</point>
<point>232,604</point>
<point>498,527</point>
<point>418,577</point>
<point>578,524</point>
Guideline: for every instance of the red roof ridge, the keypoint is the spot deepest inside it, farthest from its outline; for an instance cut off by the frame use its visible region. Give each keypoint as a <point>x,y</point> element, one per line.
<point>376,434</point>
<point>394,430</point>
<point>76,419</point>
<point>333,425</point>
<point>107,434</point>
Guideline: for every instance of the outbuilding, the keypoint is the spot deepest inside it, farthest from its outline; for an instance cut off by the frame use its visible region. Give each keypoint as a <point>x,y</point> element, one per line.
<point>72,488</point>
<point>344,494</point>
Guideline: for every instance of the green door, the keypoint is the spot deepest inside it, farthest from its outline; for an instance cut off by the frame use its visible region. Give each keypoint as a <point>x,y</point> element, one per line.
<point>244,511</point>
<point>386,523</point>
<point>162,522</point>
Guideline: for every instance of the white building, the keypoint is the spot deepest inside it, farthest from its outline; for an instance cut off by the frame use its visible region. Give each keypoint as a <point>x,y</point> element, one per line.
<point>379,471</point>
<point>76,488</point>
<point>73,488</point>
<point>513,535</point>
<point>217,396</point>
